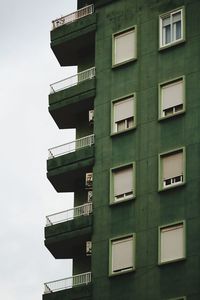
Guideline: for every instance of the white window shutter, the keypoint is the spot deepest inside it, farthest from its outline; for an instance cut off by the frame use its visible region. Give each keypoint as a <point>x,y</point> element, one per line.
<point>172,243</point>
<point>125,46</point>
<point>176,17</point>
<point>172,94</point>
<point>172,165</point>
<point>123,109</point>
<point>166,21</point>
<point>122,254</point>
<point>123,181</point>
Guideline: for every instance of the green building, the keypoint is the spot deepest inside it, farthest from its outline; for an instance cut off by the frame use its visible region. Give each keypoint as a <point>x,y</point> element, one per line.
<point>133,233</point>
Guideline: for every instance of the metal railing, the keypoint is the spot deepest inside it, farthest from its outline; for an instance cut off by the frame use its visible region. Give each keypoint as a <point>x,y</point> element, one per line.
<point>72,80</point>
<point>86,141</point>
<point>83,12</point>
<point>67,283</point>
<point>67,215</point>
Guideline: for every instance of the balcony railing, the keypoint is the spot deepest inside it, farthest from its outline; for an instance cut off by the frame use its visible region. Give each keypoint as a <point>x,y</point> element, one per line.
<point>67,215</point>
<point>86,141</point>
<point>83,12</point>
<point>72,80</point>
<point>67,283</point>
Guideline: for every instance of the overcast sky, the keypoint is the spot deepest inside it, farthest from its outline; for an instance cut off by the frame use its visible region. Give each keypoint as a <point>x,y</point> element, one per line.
<point>27,67</point>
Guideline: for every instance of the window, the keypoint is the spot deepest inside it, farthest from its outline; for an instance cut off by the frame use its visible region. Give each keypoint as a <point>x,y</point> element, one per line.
<point>172,169</point>
<point>123,114</point>
<point>172,100</point>
<point>122,183</point>
<point>124,46</point>
<point>122,255</point>
<point>171,28</point>
<point>171,242</point>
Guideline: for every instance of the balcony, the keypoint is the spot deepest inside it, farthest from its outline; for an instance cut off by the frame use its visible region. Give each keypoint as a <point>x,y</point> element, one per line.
<point>66,232</point>
<point>68,215</point>
<point>75,287</point>
<point>73,36</point>
<point>68,164</point>
<point>71,97</point>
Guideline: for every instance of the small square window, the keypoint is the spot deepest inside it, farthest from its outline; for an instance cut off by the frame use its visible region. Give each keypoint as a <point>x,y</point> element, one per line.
<point>122,255</point>
<point>171,242</point>
<point>122,184</point>
<point>171,98</point>
<point>172,169</point>
<point>124,46</point>
<point>171,28</point>
<point>123,114</point>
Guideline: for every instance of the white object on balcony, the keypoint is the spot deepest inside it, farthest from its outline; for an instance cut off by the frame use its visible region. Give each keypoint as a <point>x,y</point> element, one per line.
<point>88,248</point>
<point>88,180</point>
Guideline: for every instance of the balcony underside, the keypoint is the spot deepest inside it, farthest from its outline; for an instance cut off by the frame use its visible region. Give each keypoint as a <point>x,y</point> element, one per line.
<point>99,3</point>
<point>65,106</point>
<point>83,292</point>
<point>68,239</point>
<point>71,42</point>
<point>67,172</point>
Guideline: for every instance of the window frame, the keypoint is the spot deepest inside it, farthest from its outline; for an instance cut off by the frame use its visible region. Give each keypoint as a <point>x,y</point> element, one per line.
<point>118,33</point>
<point>183,222</point>
<point>112,170</point>
<point>165,83</point>
<point>160,169</point>
<point>112,125</point>
<point>183,33</point>
<point>125,271</point>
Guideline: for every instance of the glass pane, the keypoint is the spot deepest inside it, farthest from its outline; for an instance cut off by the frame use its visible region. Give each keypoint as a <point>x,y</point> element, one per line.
<point>121,125</point>
<point>178,30</point>
<point>176,23</point>
<point>166,34</point>
<point>130,122</point>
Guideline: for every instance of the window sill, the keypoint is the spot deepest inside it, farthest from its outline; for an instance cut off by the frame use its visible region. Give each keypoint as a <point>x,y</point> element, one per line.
<point>162,189</point>
<point>123,63</point>
<point>121,273</point>
<point>171,44</point>
<point>171,116</point>
<point>122,201</point>
<point>123,131</point>
<point>171,261</point>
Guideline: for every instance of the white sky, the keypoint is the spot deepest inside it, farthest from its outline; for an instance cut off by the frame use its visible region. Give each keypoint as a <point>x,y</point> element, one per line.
<point>27,67</point>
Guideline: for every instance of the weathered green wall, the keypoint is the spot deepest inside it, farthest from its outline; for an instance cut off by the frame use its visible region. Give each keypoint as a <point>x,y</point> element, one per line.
<point>151,208</point>
<point>142,145</point>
